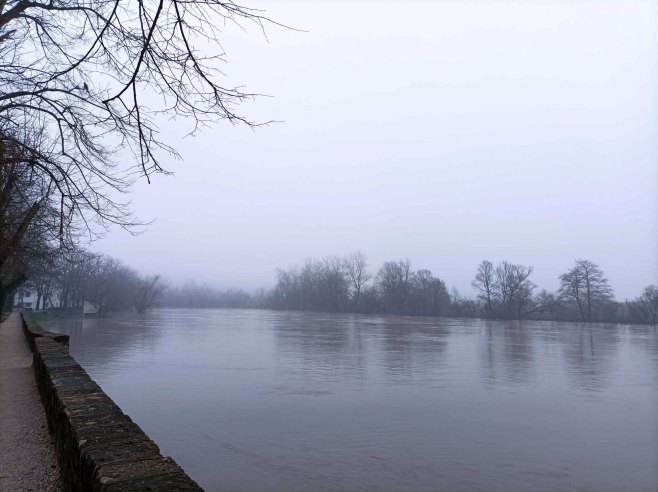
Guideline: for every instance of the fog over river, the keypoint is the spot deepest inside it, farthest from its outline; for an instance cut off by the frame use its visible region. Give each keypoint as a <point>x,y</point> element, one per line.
<point>257,400</point>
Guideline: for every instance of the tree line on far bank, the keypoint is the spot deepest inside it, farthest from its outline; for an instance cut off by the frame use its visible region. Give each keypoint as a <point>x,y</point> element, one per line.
<point>503,291</point>
<point>346,284</point>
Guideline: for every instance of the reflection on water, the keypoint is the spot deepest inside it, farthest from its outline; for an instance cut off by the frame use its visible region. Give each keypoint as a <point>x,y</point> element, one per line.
<point>508,352</point>
<point>268,401</point>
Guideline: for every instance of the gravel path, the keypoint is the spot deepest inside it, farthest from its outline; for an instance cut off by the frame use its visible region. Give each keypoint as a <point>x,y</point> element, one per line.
<point>27,454</point>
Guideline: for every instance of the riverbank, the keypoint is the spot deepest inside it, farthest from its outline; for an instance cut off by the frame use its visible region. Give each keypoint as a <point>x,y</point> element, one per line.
<point>29,461</point>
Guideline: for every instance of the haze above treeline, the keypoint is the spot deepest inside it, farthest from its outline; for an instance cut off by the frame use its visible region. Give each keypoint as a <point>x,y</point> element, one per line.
<point>446,132</point>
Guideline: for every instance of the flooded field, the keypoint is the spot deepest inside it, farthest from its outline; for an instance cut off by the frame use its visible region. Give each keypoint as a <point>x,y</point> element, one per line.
<point>254,400</point>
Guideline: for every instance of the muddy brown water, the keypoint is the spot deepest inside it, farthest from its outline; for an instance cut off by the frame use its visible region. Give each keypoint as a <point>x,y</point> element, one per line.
<point>251,400</point>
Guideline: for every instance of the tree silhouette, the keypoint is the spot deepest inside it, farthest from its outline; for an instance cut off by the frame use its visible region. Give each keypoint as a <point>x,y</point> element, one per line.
<point>81,80</point>
<point>586,286</point>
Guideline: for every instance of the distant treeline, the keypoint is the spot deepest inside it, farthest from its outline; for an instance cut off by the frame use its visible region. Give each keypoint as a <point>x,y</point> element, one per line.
<point>346,284</point>
<point>503,291</point>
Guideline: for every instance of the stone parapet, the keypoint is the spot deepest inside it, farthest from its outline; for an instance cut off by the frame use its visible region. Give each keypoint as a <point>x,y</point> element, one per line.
<point>100,449</point>
<point>34,330</point>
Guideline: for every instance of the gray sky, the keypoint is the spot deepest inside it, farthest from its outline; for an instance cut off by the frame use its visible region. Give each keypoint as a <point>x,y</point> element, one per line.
<point>447,132</point>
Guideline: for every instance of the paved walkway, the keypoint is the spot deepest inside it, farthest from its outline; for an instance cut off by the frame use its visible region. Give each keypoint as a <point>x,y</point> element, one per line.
<point>27,454</point>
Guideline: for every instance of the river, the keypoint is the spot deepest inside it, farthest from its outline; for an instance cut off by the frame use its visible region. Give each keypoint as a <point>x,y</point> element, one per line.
<point>257,400</point>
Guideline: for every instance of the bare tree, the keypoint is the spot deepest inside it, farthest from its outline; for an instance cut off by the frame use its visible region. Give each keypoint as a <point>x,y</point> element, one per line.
<point>82,70</point>
<point>111,285</point>
<point>586,286</point>
<point>429,294</point>
<point>647,305</point>
<point>356,265</point>
<point>394,282</point>
<point>334,284</point>
<point>42,281</point>
<point>148,290</point>
<point>504,290</point>
<point>287,291</point>
<point>513,289</point>
<point>73,271</point>
<point>484,285</point>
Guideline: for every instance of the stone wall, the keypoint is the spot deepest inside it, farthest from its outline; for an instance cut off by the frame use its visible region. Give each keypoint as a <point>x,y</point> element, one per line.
<point>34,330</point>
<point>99,447</point>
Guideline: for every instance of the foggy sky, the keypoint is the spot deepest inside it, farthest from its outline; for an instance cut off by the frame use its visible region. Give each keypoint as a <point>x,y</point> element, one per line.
<point>446,132</point>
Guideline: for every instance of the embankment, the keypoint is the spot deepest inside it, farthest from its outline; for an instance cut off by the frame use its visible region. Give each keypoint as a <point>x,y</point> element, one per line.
<point>99,447</point>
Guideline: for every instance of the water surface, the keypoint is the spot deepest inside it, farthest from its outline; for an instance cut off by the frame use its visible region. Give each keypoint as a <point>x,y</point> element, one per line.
<point>249,400</point>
